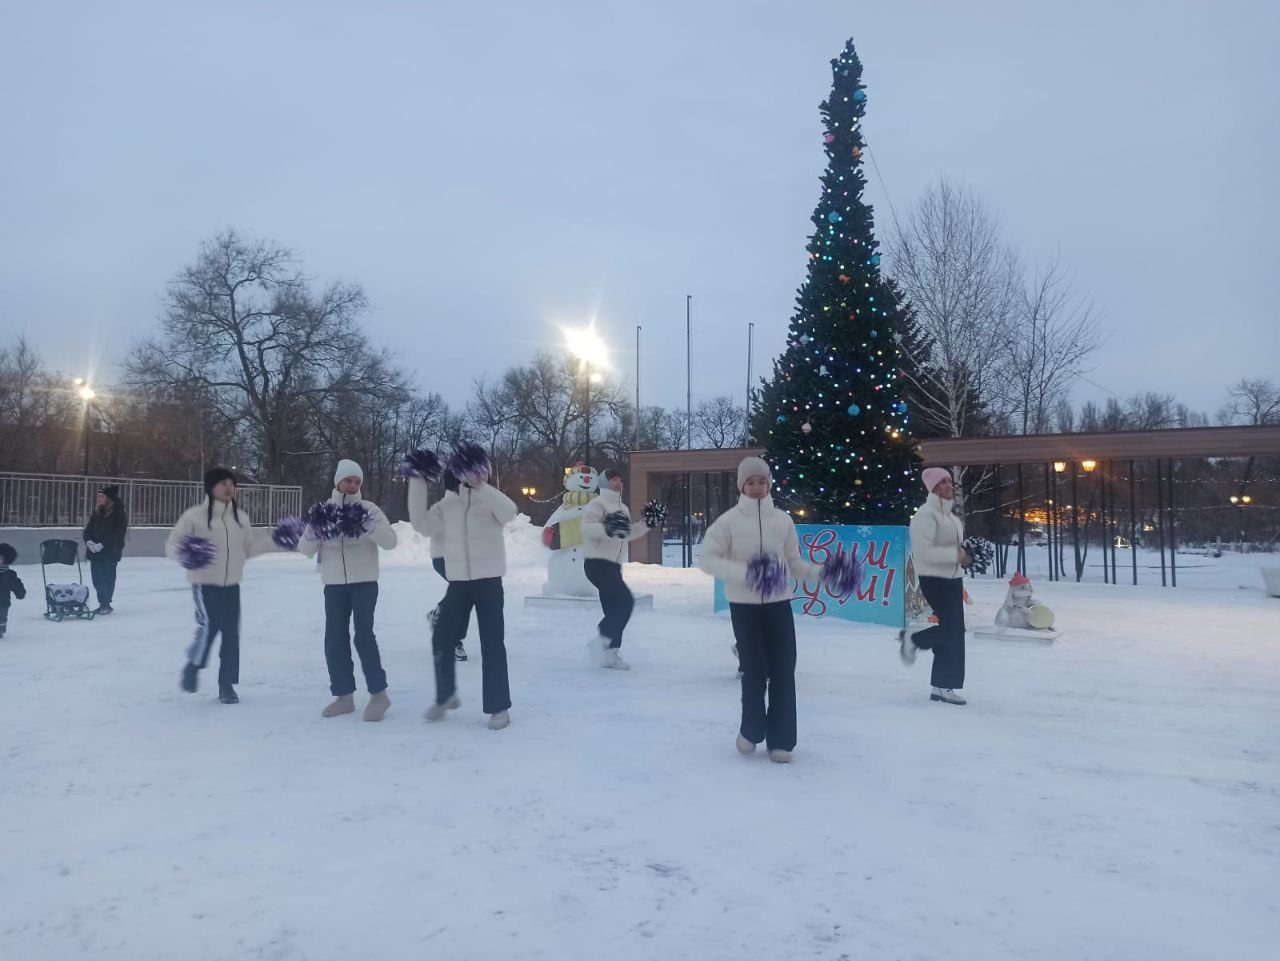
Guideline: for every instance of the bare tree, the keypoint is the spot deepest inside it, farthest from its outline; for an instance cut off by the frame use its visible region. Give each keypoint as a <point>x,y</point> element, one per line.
<point>1252,400</point>
<point>962,281</point>
<point>243,324</point>
<point>1053,335</point>
<point>719,423</point>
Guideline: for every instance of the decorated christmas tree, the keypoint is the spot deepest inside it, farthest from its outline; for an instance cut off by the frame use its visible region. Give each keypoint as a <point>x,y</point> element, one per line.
<point>832,415</point>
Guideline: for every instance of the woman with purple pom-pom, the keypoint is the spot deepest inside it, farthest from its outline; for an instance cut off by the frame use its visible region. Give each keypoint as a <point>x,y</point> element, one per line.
<point>212,541</point>
<point>471,523</point>
<point>348,550</point>
<point>937,548</point>
<point>754,549</point>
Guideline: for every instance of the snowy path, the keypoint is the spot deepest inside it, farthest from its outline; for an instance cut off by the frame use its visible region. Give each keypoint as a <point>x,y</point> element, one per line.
<point>1116,795</point>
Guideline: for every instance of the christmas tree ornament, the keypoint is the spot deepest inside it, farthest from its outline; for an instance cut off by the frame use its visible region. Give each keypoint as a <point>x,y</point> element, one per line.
<point>860,95</point>
<point>854,410</point>
<point>806,427</point>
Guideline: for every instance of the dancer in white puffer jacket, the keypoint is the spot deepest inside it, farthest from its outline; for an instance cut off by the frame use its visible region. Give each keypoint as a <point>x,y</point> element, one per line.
<point>349,571</point>
<point>475,559</point>
<point>754,549</point>
<point>606,530</point>
<point>936,538</point>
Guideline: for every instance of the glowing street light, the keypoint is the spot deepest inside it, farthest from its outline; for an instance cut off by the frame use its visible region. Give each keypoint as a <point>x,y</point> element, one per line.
<point>1059,466</point>
<point>529,491</point>
<point>586,345</point>
<point>1089,465</point>
<point>85,391</point>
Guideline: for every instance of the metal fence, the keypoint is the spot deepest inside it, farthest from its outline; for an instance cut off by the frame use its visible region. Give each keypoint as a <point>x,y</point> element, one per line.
<point>62,500</point>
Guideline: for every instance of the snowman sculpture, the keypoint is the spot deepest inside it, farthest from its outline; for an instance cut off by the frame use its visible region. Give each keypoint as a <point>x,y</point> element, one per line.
<point>1021,610</point>
<point>563,534</point>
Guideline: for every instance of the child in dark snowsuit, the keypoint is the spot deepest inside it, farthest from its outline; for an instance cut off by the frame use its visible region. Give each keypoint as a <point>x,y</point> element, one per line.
<point>11,585</point>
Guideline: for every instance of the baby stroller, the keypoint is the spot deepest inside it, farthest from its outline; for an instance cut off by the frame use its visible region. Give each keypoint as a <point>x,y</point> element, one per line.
<point>64,600</point>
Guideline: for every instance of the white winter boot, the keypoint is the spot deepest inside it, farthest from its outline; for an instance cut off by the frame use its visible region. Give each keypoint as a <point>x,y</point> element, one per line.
<point>745,746</point>
<point>596,648</point>
<point>436,712</point>
<point>613,660</point>
<point>377,707</point>
<point>498,721</point>
<point>907,649</point>
<point>780,757</point>
<point>947,696</point>
<point>343,705</point>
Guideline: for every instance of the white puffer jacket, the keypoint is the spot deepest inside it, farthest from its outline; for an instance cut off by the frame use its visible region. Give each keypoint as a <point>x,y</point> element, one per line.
<point>471,522</point>
<point>753,527</point>
<point>351,560</point>
<point>936,535</point>
<point>234,541</point>
<point>596,544</point>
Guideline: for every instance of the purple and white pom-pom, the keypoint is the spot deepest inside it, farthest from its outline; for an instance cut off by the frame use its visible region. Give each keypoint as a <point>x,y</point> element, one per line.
<point>617,525</point>
<point>654,513</point>
<point>982,551</point>
<point>843,574</point>
<point>196,553</point>
<point>767,574</point>
<point>423,464</point>
<point>287,532</point>
<point>354,520</point>
<point>469,463</point>
<point>322,521</point>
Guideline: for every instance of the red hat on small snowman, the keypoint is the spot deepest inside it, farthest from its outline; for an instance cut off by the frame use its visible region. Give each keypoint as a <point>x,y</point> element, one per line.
<point>1019,579</point>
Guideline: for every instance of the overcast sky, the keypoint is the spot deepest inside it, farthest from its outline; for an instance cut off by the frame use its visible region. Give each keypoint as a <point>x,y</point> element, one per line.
<point>488,171</point>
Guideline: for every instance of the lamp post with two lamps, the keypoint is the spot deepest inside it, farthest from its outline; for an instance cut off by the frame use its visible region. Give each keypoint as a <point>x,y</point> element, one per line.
<point>1241,501</point>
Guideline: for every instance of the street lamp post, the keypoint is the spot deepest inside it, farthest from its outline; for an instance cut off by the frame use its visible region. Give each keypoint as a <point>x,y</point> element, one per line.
<point>1241,501</point>
<point>585,344</point>
<point>86,393</point>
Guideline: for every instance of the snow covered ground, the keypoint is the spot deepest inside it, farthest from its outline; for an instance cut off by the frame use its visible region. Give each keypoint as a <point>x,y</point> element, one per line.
<point>1113,796</point>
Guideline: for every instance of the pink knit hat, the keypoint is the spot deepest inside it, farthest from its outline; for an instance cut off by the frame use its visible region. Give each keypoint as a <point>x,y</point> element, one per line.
<point>931,476</point>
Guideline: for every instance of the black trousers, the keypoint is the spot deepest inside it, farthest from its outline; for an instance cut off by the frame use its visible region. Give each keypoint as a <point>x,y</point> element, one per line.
<point>103,573</point>
<point>217,613</point>
<point>946,638</point>
<point>438,564</point>
<point>616,599</point>
<point>766,636</point>
<point>344,603</point>
<point>4,619</point>
<point>486,597</point>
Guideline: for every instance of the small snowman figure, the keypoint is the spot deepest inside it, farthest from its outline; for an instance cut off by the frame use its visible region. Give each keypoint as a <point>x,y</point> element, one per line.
<point>1021,610</point>
<point>563,534</point>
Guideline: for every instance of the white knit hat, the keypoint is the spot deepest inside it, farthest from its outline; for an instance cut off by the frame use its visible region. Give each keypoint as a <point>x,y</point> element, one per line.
<point>347,468</point>
<point>752,467</point>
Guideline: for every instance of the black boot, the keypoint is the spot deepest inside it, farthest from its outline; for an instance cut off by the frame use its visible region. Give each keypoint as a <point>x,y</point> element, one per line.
<point>227,694</point>
<point>103,609</point>
<point>459,652</point>
<point>189,678</point>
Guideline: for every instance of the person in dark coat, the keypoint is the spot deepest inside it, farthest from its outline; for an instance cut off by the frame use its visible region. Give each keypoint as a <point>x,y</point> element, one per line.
<point>11,585</point>
<point>104,538</point>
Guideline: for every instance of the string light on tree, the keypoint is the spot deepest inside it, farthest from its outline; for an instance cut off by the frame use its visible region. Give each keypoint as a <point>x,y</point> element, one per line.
<point>849,458</point>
